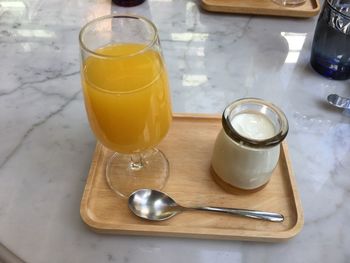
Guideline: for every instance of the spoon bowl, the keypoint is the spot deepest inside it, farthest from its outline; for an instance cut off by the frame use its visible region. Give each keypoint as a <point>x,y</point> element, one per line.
<point>152,205</point>
<point>338,101</point>
<point>157,206</point>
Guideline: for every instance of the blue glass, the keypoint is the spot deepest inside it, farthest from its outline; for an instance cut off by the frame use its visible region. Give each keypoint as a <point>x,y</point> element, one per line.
<point>330,55</point>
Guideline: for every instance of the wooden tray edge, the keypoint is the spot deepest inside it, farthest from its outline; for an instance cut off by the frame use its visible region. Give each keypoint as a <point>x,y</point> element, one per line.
<point>262,237</point>
<point>88,186</point>
<point>247,236</point>
<point>296,198</point>
<point>265,12</point>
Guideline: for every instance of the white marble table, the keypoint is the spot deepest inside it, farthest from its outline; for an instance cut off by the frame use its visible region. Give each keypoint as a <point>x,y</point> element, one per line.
<point>46,144</point>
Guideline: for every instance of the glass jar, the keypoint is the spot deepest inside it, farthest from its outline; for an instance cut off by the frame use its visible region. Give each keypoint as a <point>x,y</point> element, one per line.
<point>247,149</point>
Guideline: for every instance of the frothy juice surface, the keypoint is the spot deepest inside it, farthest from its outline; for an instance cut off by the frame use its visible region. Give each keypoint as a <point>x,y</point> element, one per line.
<point>127,97</point>
<point>253,126</point>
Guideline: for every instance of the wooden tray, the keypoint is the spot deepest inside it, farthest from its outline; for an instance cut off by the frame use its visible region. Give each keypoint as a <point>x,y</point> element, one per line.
<point>188,147</point>
<point>261,7</point>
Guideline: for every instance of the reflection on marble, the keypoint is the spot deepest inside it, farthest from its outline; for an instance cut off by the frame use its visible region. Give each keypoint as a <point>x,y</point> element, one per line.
<point>295,45</point>
<point>212,59</point>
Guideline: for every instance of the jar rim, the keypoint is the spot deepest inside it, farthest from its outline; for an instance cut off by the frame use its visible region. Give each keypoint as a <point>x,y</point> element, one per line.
<point>279,136</point>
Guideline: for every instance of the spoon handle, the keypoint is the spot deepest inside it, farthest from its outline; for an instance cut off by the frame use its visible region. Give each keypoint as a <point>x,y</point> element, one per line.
<point>269,216</point>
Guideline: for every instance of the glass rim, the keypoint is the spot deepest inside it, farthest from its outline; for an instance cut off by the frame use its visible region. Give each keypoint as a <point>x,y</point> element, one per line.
<point>278,137</point>
<point>149,45</point>
<point>329,3</point>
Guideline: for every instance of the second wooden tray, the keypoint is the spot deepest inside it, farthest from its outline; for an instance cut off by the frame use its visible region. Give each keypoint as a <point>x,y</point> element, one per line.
<point>261,7</point>
<point>188,147</point>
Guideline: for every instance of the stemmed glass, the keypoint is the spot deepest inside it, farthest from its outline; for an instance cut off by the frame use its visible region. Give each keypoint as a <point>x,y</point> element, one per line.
<point>127,100</point>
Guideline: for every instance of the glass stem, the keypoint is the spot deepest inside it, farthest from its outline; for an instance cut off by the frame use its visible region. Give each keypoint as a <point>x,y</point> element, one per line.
<point>136,162</point>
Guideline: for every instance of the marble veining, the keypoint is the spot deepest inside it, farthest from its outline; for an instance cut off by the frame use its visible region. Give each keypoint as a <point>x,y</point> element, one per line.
<point>212,59</point>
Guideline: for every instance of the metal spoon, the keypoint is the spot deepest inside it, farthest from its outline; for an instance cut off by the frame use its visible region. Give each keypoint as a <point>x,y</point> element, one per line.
<point>157,206</point>
<point>338,101</point>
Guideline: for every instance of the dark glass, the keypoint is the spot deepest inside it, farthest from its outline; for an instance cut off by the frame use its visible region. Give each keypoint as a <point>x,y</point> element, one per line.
<point>128,3</point>
<point>330,55</point>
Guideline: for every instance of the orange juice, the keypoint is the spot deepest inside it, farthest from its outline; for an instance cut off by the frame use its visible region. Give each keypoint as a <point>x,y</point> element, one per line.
<point>127,97</point>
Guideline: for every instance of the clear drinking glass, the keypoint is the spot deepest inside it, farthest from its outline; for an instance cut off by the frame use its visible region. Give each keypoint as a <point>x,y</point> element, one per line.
<point>126,94</point>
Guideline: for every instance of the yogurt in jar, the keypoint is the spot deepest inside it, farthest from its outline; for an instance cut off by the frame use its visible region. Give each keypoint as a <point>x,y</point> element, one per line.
<point>253,125</point>
<point>247,149</point>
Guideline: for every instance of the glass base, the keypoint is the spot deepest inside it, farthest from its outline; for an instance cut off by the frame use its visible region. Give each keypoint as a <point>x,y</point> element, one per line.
<point>289,3</point>
<point>128,3</point>
<point>330,68</point>
<point>127,173</point>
